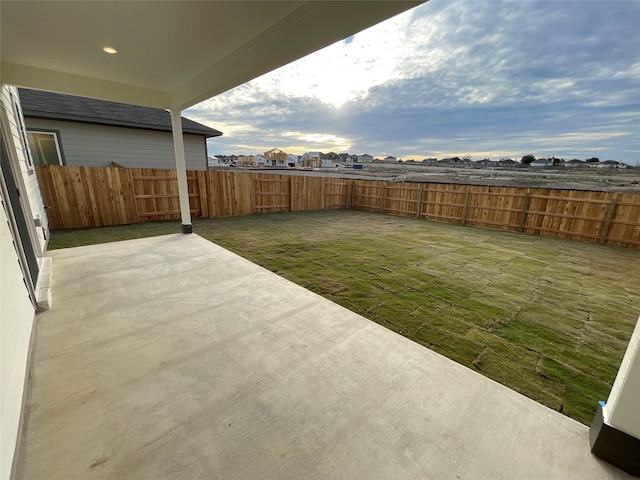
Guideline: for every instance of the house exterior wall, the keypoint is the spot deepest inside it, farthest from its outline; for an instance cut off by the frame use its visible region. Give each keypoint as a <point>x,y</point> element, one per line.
<point>17,312</point>
<point>92,145</point>
<point>29,178</point>
<point>327,163</point>
<point>16,322</point>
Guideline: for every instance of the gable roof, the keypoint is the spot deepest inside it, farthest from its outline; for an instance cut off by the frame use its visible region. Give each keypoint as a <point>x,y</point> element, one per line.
<point>274,151</point>
<point>40,104</point>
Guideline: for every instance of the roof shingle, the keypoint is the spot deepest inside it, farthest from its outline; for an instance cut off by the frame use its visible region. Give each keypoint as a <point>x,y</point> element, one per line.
<point>37,103</point>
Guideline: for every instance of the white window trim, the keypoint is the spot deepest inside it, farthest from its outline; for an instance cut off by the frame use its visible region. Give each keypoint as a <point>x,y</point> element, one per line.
<point>17,110</point>
<point>57,142</point>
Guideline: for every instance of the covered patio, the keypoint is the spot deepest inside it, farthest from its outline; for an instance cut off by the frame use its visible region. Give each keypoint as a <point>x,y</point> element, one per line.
<point>173,358</point>
<point>160,359</point>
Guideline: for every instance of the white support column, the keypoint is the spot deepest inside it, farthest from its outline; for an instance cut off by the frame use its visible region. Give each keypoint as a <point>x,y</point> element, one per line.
<point>181,170</point>
<point>615,431</point>
<point>623,405</point>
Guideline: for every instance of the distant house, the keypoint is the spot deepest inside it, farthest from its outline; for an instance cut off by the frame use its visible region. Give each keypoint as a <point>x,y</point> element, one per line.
<point>542,162</point>
<point>508,162</point>
<point>326,163</point>
<point>390,159</point>
<point>227,159</point>
<point>311,159</point>
<point>365,158</point>
<point>448,161</point>
<point>293,160</point>
<point>609,164</point>
<point>276,158</point>
<point>69,130</point>
<point>247,161</point>
<point>575,163</point>
<point>486,163</point>
<point>430,161</point>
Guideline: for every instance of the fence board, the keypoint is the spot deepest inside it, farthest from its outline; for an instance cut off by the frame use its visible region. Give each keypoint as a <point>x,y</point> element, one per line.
<point>80,197</point>
<point>336,193</point>
<point>273,193</point>
<point>307,193</point>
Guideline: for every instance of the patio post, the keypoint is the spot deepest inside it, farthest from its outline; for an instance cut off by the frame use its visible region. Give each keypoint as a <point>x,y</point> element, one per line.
<point>615,432</point>
<point>181,170</point>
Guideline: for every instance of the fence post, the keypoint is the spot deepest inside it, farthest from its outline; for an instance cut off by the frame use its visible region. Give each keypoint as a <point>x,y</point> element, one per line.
<point>607,222</point>
<point>384,192</point>
<point>419,207</point>
<point>523,213</point>
<point>466,207</point>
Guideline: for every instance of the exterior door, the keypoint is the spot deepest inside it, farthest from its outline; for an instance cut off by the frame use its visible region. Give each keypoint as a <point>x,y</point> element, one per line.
<point>15,211</point>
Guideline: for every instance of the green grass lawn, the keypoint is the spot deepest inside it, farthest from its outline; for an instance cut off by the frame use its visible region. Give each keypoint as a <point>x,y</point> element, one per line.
<point>546,317</point>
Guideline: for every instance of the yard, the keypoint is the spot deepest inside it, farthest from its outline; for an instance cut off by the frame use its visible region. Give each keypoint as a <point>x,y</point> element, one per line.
<point>549,318</point>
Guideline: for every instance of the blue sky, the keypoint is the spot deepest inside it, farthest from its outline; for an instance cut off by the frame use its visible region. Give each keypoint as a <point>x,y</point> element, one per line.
<point>481,78</point>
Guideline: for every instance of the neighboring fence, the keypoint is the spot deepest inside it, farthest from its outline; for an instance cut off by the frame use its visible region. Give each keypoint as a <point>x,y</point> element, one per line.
<point>605,217</point>
<point>78,197</point>
<point>81,197</point>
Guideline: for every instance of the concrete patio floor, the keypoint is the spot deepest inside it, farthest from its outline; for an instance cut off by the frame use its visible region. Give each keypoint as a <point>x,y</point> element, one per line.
<point>172,358</point>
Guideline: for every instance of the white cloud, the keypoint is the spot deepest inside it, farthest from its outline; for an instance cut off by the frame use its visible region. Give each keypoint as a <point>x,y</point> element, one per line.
<point>326,140</point>
<point>452,76</point>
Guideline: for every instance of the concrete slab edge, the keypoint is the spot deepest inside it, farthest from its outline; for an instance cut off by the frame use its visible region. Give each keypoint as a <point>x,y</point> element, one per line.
<point>43,287</point>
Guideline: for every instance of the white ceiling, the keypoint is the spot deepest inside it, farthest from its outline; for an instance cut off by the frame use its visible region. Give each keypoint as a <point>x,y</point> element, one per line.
<point>171,54</point>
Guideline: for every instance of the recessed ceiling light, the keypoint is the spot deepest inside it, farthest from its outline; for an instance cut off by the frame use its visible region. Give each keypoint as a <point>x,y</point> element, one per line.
<point>109,50</point>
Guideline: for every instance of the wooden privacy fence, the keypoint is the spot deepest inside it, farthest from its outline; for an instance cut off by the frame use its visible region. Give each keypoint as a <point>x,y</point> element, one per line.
<point>80,197</point>
<point>605,217</point>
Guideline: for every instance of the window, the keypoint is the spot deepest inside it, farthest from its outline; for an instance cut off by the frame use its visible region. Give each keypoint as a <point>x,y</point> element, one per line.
<point>45,148</point>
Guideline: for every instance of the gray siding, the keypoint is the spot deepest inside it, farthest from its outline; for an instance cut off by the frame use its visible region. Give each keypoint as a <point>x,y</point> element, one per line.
<point>93,145</point>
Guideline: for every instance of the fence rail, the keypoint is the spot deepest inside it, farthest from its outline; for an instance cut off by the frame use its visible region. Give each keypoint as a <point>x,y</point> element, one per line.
<point>81,197</point>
